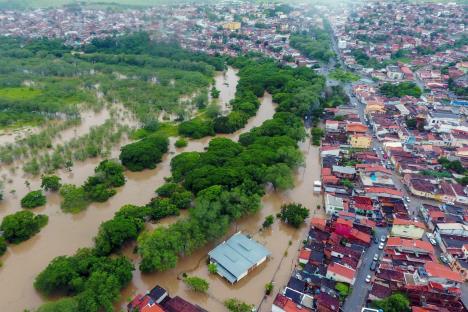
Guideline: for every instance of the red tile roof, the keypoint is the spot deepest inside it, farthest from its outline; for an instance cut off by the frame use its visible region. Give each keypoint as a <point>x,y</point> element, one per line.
<point>384,190</point>
<point>410,244</point>
<point>318,223</point>
<point>398,221</point>
<point>441,271</point>
<point>304,254</point>
<point>341,270</point>
<point>356,127</point>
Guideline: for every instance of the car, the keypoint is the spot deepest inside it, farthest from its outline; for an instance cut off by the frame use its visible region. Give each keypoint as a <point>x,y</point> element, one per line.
<point>376,257</point>
<point>432,241</point>
<point>373,265</point>
<point>376,239</point>
<point>408,200</point>
<point>444,259</point>
<point>383,238</point>
<point>381,246</point>
<point>368,278</point>
<point>429,235</point>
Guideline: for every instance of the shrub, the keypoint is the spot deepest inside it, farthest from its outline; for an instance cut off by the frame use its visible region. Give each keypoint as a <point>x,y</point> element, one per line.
<point>268,221</point>
<point>294,214</point>
<point>235,305</point>
<point>74,198</point>
<point>196,283</point>
<point>3,245</point>
<point>144,154</point>
<point>33,199</point>
<point>22,225</point>
<point>268,288</point>
<point>212,268</point>
<point>181,143</point>
<point>50,183</point>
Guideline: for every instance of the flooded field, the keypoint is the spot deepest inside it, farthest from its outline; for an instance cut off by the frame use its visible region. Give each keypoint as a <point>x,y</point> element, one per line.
<point>65,233</point>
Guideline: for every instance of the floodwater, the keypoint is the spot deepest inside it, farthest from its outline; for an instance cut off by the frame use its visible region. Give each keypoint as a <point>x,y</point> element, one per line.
<point>224,82</point>
<point>65,233</point>
<point>277,240</point>
<point>89,119</point>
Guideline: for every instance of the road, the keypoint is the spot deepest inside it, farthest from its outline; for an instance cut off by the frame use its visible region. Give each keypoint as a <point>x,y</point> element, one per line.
<point>360,288</point>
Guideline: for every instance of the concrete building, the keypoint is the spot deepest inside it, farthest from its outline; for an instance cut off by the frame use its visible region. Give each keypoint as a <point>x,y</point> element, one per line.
<point>333,204</point>
<point>407,229</point>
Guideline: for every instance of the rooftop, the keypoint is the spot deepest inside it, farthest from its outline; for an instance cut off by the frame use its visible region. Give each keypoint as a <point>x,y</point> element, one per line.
<point>237,255</point>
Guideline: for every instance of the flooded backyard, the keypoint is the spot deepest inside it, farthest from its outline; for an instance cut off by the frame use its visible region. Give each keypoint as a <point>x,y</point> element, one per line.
<point>65,233</point>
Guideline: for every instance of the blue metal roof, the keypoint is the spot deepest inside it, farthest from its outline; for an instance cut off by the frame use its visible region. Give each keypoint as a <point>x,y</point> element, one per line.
<point>237,255</point>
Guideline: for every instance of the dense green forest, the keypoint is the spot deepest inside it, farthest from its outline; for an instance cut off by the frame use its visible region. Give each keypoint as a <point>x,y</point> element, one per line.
<point>314,44</point>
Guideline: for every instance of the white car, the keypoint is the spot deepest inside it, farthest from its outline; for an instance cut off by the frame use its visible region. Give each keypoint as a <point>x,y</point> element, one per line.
<point>376,257</point>
<point>408,199</point>
<point>429,235</point>
<point>368,279</point>
<point>432,241</point>
<point>381,246</point>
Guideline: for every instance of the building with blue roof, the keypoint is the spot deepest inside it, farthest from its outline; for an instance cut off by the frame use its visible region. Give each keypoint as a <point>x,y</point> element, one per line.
<point>237,256</point>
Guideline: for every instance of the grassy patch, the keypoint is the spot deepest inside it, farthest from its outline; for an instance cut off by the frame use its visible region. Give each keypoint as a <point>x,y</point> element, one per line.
<point>19,94</point>
<point>343,76</point>
<point>167,129</point>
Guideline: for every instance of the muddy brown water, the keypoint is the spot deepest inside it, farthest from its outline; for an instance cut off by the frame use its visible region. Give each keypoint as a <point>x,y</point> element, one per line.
<point>65,233</point>
<point>89,119</point>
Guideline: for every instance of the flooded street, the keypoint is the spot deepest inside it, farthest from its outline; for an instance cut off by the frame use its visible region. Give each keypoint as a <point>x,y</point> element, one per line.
<point>65,233</point>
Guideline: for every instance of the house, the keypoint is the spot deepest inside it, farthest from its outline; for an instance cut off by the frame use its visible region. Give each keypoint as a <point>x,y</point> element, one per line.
<point>360,141</point>
<point>327,303</point>
<point>356,127</point>
<point>341,273</point>
<point>178,304</point>
<point>409,246</point>
<point>285,304</point>
<point>144,304</point>
<point>333,204</point>
<point>238,256</point>
<point>344,172</point>
<point>304,256</point>
<point>375,192</point>
<point>407,229</point>
<point>149,302</point>
<point>441,274</point>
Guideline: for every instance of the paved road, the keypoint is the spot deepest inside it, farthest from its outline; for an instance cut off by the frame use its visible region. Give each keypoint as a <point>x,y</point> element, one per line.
<point>360,289</point>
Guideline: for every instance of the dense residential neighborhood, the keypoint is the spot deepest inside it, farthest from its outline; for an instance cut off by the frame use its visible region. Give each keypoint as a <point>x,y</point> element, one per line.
<point>393,147</point>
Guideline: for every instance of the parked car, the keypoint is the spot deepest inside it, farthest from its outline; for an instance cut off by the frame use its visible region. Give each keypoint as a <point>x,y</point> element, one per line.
<point>444,259</point>
<point>373,265</point>
<point>383,238</point>
<point>408,199</point>
<point>381,246</point>
<point>376,239</point>
<point>368,278</point>
<point>376,257</point>
<point>429,235</point>
<point>432,241</point>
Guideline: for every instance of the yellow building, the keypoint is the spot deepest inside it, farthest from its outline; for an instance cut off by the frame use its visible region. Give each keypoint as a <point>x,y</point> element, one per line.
<point>407,229</point>
<point>360,141</point>
<point>232,26</point>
